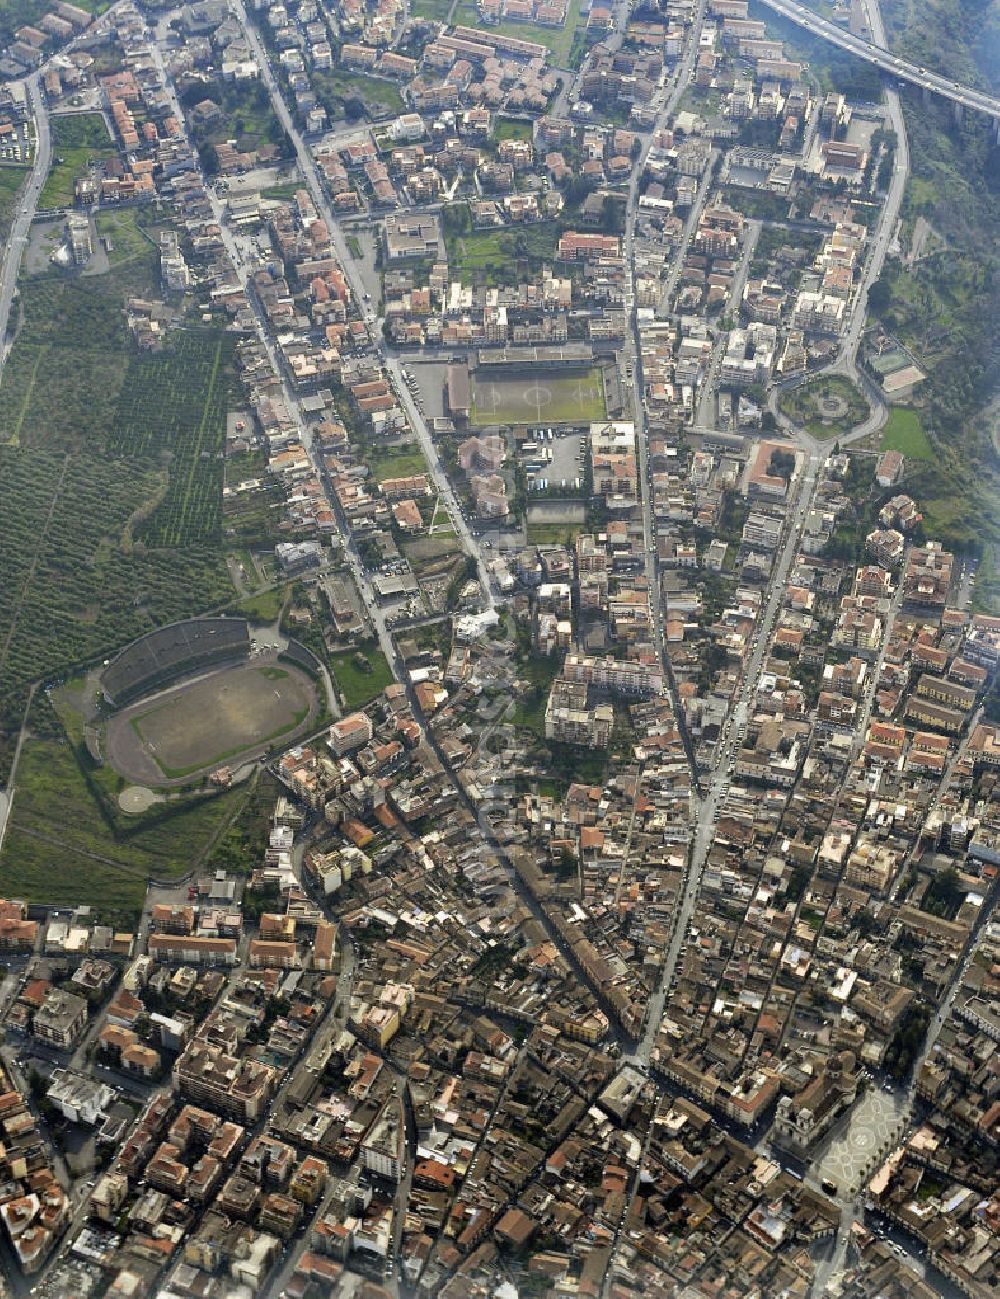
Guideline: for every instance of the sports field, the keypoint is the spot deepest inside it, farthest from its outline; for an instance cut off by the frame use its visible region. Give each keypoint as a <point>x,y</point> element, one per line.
<point>538,397</point>
<point>213,720</point>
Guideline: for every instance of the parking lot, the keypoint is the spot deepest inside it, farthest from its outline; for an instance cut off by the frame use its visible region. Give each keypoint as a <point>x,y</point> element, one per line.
<point>554,461</point>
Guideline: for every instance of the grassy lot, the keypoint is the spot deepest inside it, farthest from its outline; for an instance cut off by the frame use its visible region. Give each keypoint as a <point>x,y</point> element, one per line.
<point>827,408</point>
<point>553,534</point>
<point>353,245</point>
<point>529,709</point>
<point>335,88</point>
<point>441,522</point>
<point>65,842</point>
<point>509,128</point>
<point>396,462</point>
<point>77,139</point>
<point>263,608</point>
<point>498,256</point>
<point>123,231</point>
<point>427,550</point>
<point>11,180</point>
<point>986,592</point>
<point>357,682</point>
<point>62,877</point>
<point>286,190</point>
<point>557,39</point>
<point>436,10</point>
<point>904,432</point>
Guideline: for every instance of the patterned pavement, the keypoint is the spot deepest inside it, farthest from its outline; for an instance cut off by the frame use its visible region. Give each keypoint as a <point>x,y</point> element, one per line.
<point>863,1139</point>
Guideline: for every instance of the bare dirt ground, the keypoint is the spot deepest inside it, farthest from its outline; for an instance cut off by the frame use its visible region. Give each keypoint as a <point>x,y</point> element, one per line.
<point>221,718</point>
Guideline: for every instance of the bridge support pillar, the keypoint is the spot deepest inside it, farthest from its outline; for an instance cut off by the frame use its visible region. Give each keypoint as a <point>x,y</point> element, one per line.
<point>957,111</point>
<point>996,130</point>
<point>927,97</point>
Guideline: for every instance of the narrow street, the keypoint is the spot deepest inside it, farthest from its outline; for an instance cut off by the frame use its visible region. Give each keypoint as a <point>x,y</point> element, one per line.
<point>362,297</point>
<point>707,807</point>
<point>705,416</point>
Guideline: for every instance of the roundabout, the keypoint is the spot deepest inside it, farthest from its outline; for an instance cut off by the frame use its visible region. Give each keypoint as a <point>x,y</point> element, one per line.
<point>825,407</point>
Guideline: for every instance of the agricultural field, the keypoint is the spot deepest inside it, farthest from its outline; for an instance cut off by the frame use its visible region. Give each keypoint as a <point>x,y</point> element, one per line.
<point>11,180</point>
<point>537,396</point>
<point>904,432</point>
<point>83,479</point>
<point>64,373</point>
<point>198,725</point>
<point>78,139</point>
<point>73,585</point>
<point>172,409</point>
<point>250,515</point>
<point>360,674</point>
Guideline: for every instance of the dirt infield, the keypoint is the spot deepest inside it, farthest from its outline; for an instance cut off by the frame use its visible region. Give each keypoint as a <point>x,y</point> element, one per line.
<point>537,397</point>
<point>222,718</point>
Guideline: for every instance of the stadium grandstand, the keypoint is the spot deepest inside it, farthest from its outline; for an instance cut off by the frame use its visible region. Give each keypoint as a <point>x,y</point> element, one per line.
<point>172,652</point>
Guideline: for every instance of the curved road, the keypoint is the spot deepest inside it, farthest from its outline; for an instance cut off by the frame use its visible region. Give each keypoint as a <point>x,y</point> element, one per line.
<point>874,52</point>
<point>878,247</point>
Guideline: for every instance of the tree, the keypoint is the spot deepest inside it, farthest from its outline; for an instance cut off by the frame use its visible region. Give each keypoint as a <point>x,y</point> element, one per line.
<point>209,158</point>
<point>879,296</point>
<point>354,108</point>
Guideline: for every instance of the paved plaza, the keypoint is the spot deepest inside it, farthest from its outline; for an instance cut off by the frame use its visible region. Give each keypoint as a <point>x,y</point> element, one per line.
<point>861,1139</point>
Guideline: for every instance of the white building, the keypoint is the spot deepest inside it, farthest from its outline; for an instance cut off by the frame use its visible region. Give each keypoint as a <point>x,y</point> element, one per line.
<point>79,1099</point>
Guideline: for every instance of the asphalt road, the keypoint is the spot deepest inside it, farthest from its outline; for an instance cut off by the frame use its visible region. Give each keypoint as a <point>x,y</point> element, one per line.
<point>363,300</point>
<point>27,203</point>
<point>878,247</point>
<point>706,411</point>
<point>874,52</point>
